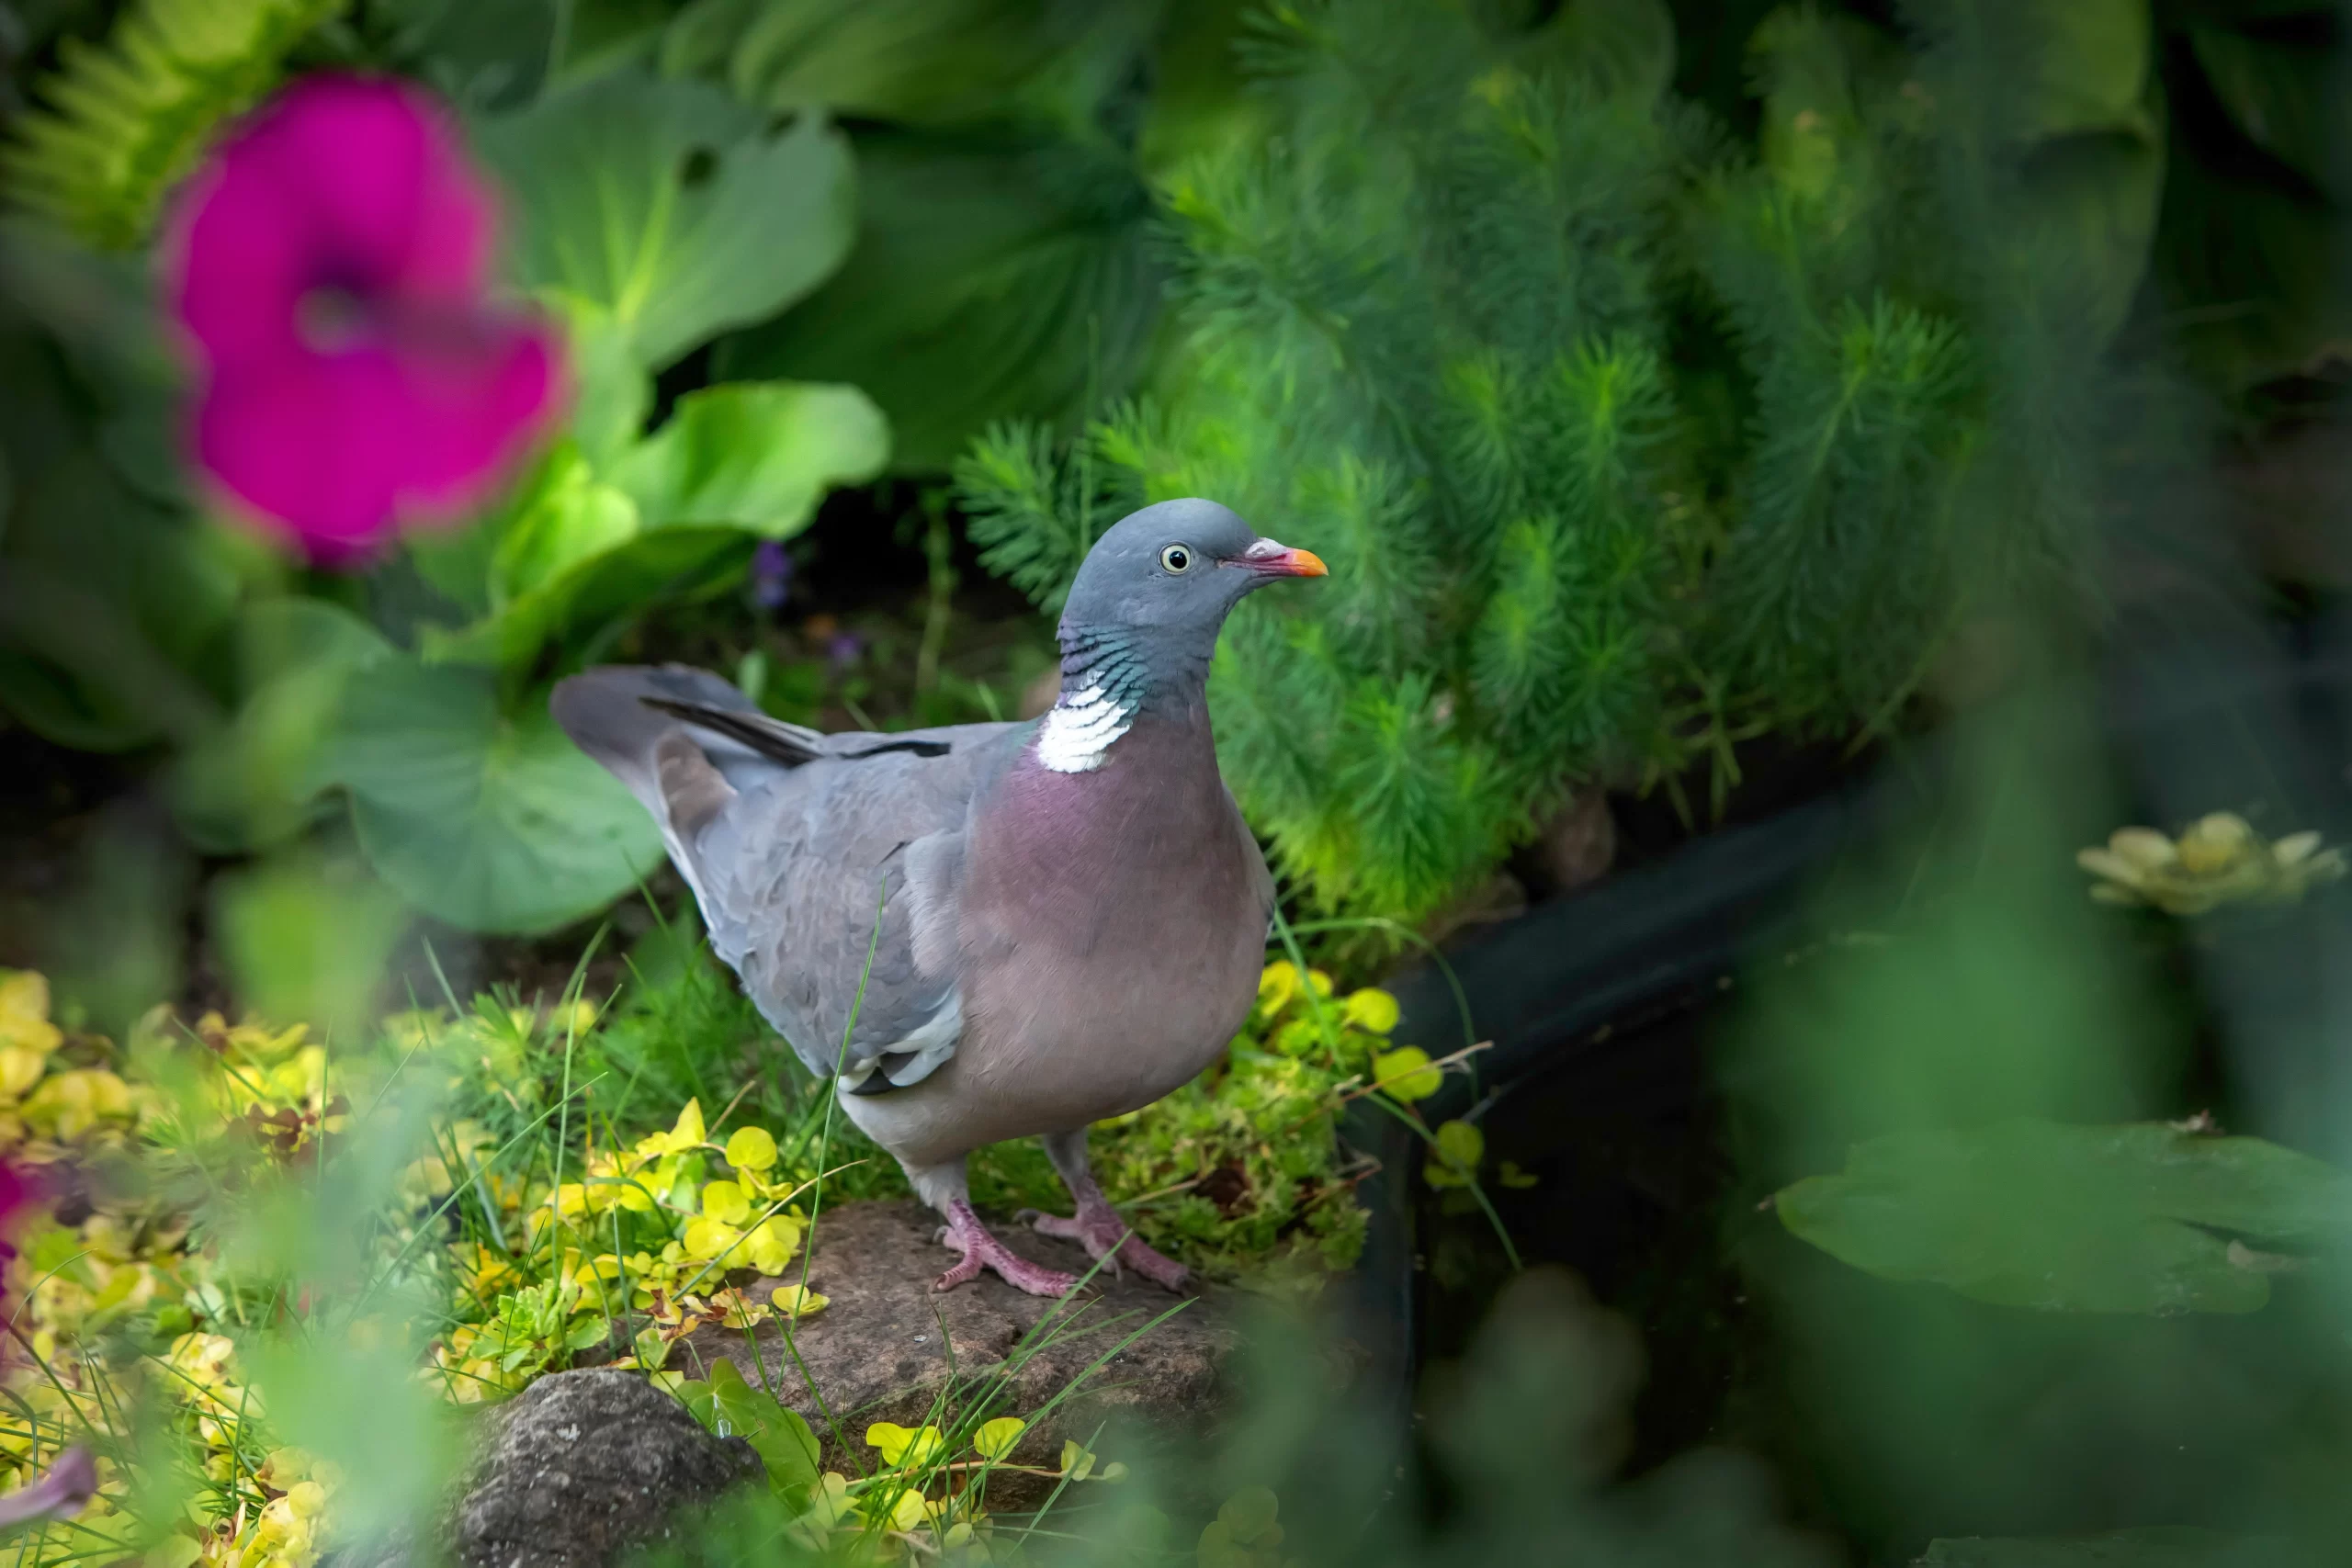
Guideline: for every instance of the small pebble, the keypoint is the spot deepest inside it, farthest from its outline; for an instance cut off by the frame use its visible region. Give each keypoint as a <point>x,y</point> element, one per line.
<point>918,1338</point>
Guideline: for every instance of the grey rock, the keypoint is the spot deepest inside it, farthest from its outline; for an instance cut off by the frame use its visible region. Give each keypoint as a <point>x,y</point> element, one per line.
<point>888,1348</point>
<point>581,1466</point>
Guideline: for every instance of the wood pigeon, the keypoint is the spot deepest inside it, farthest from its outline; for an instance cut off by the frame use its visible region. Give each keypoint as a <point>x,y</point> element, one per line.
<point>1065,918</point>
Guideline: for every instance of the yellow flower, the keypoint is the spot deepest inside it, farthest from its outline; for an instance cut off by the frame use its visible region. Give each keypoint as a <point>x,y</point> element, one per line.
<point>688,1133</point>
<point>24,1013</point>
<point>751,1149</point>
<point>774,1242</point>
<point>1454,1160</point>
<point>995,1438</point>
<point>737,1310</point>
<point>70,1103</point>
<point>2219,860</point>
<point>1372,1011</point>
<point>706,1238</point>
<point>725,1201</point>
<point>1277,986</point>
<point>903,1448</point>
<point>1406,1075</point>
<point>800,1300</point>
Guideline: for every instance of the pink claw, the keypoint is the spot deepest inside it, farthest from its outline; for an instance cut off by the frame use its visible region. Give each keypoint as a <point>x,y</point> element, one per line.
<point>1098,1228</point>
<point>982,1250</point>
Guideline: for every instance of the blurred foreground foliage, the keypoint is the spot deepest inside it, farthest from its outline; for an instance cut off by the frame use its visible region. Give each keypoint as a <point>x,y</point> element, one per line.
<point>556,1208</point>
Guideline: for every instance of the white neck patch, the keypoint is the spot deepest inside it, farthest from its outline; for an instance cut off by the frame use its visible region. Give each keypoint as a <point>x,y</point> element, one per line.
<point>1079,728</point>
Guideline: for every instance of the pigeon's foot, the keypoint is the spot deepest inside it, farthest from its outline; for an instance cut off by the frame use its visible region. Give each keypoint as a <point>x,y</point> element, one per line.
<point>1098,1228</point>
<point>982,1250</point>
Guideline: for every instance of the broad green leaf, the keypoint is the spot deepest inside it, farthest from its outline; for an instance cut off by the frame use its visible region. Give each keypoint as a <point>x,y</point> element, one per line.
<point>484,55</point>
<point>587,1334</point>
<point>2285,93</point>
<point>781,1437</point>
<point>758,455</point>
<point>251,781</point>
<point>2139,1218</point>
<point>306,938</point>
<point>2249,270</point>
<point>572,519</point>
<point>491,821</point>
<point>991,278</point>
<point>2072,70</point>
<point>667,209</point>
<point>913,61</point>
<point>2158,1546</point>
<point>2088,215</point>
<point>619,583</point>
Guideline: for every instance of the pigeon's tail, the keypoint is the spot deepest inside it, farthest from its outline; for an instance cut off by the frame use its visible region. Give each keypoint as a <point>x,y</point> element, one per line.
<point>625,717</point>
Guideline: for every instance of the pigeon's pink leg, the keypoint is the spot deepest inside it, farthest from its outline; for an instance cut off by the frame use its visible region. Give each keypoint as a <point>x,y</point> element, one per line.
<point>968,1235</point>
<point>1097,1226</point>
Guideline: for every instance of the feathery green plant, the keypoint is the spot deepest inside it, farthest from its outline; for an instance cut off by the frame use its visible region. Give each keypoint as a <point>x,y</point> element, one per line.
<point>1624,443</point>
<point>126,120</point>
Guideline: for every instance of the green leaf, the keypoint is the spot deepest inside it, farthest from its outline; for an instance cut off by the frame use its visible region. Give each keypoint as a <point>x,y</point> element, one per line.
<point>672,514</point>
<point>698,1397</point>
<point>2159,1546</point>
<point>2249,272</point>
<point>2127,1219</point>
<point>669,209</point>
<point>2072,70</point>
<point>488,821</point>
<point>304,938</point>
<point>485,54</point>
<point>2283,94</point>
<point>758,455</point>
<point>251,783</point>
<point>1622,45</point>
<point>587,1334</point>
<point>617,586</point>
<point>913,61</point>
<point>570,519</point>
<point>992,279</point>
<point>781,1437</point>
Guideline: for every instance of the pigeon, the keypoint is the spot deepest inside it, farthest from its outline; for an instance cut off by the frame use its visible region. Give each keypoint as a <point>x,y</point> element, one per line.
<point>986,932</point>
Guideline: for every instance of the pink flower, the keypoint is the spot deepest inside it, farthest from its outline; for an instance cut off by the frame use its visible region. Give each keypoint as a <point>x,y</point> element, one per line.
<point>16,1193</point>
<point>329,265</point>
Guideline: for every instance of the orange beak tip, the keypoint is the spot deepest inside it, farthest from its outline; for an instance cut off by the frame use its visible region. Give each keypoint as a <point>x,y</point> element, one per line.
<point>1306,563</point>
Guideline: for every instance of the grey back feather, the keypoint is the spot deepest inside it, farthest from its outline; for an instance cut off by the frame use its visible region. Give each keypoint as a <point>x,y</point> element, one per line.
<point>811,855</point>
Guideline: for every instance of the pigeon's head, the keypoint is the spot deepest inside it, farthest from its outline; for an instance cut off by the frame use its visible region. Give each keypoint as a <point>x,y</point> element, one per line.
<point>1177,568</point>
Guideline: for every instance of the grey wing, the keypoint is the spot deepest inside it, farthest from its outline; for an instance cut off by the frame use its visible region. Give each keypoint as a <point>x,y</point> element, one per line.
<point>828,867</point>
<point>833,892</point>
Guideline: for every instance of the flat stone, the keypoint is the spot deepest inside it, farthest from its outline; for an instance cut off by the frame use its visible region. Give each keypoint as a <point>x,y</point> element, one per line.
<point>581,1466</point>
<point>888,1346</point>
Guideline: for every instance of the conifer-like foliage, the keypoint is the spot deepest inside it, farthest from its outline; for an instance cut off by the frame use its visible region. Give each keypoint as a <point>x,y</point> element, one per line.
<point>122,122</point>
<point>1624,440</point>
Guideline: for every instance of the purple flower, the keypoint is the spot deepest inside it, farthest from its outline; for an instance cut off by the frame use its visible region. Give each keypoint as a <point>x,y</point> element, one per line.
<point>69,1483</point>
<point>329,265</point>
<point>771,574</point>
<point>843,648</point>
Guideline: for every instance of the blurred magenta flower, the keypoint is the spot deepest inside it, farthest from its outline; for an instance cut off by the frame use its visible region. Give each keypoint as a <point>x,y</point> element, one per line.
<point>16,1193</point>
<point>330,265</point>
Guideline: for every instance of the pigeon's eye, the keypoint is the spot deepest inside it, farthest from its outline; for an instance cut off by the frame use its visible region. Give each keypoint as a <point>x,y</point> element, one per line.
<point>1176,558</point>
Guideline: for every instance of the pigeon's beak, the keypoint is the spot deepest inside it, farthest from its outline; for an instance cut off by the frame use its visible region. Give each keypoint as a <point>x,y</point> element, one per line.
<point>1272,559</point>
